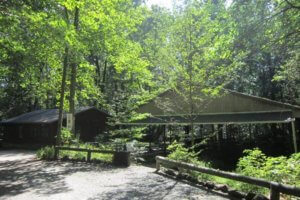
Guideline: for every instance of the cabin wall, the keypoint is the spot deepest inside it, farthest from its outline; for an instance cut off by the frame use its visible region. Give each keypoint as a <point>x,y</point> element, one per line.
<point>89,124</point>
<point>29,133</point>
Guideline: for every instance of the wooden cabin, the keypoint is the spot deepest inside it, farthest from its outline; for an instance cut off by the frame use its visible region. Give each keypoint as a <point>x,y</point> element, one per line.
<point>40,126</point>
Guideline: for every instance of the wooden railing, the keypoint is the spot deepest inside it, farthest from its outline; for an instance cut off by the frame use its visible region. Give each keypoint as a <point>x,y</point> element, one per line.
<point>275,188</point>
<point>88,151</point>
<point>120,158</point>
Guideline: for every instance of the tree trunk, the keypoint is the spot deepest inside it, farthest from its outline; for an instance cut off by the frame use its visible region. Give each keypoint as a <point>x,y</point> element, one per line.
<point>73,76</point>
<point>63,87</point>
<point>98,71</point>
<point>62,96</point>
<point>104,77</point>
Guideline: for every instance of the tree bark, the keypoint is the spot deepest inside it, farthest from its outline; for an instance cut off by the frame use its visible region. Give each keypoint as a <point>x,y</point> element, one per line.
<point>63,87</point>
<point>73,76</point>
<point>104,77</point>
<point>62,96</point>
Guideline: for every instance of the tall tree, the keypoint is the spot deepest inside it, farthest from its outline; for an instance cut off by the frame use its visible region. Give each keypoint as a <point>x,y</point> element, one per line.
<point>202,39</point>
<point>267,33</point>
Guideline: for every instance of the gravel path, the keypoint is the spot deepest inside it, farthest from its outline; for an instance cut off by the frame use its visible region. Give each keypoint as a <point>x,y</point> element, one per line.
<point>24,177</point>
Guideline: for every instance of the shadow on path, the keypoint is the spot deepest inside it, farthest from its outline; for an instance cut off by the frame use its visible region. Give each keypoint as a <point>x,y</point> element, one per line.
<point>24,177</point>
<point>42,177</point>
<point>157,186</point>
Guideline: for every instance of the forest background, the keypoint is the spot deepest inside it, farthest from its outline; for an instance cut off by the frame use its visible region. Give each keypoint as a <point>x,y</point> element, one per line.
<point>117,54</point>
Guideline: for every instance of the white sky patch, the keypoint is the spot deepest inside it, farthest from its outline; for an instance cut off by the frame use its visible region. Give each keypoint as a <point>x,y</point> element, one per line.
<point>162,3</point>
<point>228,3</point>
<point>169,3</point>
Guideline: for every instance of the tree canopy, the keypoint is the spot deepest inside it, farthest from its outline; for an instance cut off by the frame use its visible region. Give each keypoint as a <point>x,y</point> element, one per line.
<point>120,53</point>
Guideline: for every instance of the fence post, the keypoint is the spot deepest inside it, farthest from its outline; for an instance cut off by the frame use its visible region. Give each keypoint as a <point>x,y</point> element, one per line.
<point>274,192</point>
<point>157,165</point>
<point>89,156</point>
<point>56,153</point>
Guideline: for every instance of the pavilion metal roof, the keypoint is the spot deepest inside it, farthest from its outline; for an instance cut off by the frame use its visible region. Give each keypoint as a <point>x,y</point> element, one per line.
<point>220,118</point>
<point>230,107</point>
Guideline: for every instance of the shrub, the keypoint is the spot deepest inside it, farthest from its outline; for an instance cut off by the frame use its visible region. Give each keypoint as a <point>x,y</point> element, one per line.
<point>76,155</point>
<point>102,138</point>
<point>66,136</point>
<point>46,153</point>
<point>293,165</point>
<point>280,169</point>
<point>180,153</point>
<point>251,165</point>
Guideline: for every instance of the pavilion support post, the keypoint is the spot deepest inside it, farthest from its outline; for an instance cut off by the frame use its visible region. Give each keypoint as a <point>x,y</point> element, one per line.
<point>170,134</point>
<point>213,130</point>
<point>250,131</point>
<point>201,131</point>
<point>294,136</point>
<point>151,136</point>
<point>224,131</point>
<point>216,129</point>
<point>165,145</point>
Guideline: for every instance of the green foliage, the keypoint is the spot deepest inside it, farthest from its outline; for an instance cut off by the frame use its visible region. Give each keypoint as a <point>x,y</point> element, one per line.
<point>202,38</point>
<point>66,136</point>
<point>102,157</point>
<point>280,169</point>
<point>254,164</point>
<point>180,153</point>
<point>272,27</point>
<point>102,138</point>
<point>46,153</point>
<point>127,134</point>
<point>32,53</point>
<point>251,165</point>
<point>81,156</point>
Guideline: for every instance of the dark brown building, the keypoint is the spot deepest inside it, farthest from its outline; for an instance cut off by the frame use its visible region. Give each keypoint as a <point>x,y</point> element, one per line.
<point>41,126</point>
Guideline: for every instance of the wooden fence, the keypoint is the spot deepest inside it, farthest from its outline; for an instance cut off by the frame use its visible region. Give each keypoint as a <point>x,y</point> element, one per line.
<point>121,158</point>
<point>275,188</point>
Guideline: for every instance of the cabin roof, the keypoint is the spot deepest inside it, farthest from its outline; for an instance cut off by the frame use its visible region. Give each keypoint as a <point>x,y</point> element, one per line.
<point>43,116</point>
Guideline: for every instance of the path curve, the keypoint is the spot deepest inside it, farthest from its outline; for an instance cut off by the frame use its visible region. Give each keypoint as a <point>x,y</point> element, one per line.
<point>26,178</point>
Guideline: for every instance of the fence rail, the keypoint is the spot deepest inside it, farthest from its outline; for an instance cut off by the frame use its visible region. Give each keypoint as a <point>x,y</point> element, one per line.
<point>120,158</point>
<point>275,188</point>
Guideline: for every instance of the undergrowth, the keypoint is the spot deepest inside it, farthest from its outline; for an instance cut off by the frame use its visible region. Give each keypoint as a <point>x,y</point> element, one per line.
<point>47,153</point>
<point>254,163</point>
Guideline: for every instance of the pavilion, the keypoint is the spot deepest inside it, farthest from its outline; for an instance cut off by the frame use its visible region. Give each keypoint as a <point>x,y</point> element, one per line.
<point>231,107</point>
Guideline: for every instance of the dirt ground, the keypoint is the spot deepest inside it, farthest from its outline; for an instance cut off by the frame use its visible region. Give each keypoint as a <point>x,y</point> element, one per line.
<point>24,177</point>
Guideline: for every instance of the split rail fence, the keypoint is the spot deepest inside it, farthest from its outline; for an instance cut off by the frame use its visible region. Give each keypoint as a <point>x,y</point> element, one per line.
<point>121,158</point>
<point>275,188</point>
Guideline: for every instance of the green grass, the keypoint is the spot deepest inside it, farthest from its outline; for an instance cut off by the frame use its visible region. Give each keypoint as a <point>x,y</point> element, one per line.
<point>102,156</point>
<point>239,185</point>
<point>78,155</point>
<point>47,153</point>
